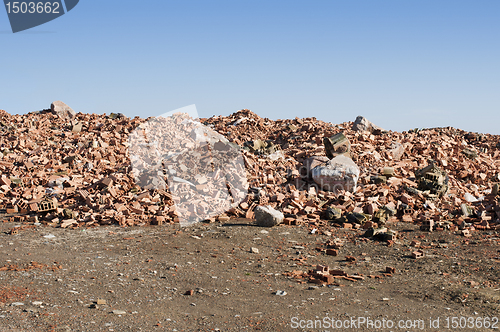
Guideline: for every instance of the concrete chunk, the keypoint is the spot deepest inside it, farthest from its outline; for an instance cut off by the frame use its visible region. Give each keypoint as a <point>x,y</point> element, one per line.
<point>62,110</point>
<point>266,216</point>
<point>340,173</point>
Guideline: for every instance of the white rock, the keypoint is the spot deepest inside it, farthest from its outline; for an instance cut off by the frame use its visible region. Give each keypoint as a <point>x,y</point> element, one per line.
<point>469,198</point>
<point>62,110</point>
<point>119,312</point>
<point>340,173</point>
<point>362,124</point>
<point>266,216</point>
<point>397,150</point>
<point>310,163</point>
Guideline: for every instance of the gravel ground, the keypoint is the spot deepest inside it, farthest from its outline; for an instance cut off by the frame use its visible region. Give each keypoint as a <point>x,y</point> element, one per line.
<point>206,278</point>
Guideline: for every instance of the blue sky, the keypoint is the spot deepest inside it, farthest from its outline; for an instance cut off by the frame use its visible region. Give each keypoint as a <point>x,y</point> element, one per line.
<point>402,64</point>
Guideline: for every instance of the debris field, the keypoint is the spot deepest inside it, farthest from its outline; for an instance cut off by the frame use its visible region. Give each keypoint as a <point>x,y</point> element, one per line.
<point>74,171</point>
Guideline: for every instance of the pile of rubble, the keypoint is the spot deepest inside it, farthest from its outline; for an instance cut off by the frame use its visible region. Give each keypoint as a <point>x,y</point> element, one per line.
<point>358,175</point>
<point>73,170</point>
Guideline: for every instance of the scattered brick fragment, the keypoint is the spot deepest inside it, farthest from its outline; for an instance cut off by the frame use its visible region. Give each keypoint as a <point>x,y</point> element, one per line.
<point>417,254</point>
<point>390,270</point>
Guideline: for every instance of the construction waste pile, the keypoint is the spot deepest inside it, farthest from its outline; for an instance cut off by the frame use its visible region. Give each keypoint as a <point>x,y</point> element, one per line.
<point>63,169</point>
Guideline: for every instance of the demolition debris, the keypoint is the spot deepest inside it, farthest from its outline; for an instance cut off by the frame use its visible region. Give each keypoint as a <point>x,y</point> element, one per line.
<point>66,169</point>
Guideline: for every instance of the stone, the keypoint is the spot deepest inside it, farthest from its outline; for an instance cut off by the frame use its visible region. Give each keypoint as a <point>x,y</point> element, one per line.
<point>17,304</point>
<point>467,211</point>
<point>470,198</point>
<point>340,173</point>
<point>397,150</point>
<point>362,124</point>
<point>311,163</point>
<point>266,216</point>
<point>116,116</point>
<point>119,312</point>
<point>77,127</point>
<point>62,110</point>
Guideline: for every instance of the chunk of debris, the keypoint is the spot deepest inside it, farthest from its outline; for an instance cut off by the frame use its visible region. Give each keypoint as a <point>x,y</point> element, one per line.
<point>432,179</point>
<point>340,173</point>
<point>62,110</point>
<point>417,254</point>
<point>362,124</point>
<point>337,145</point>
<point>266,216</point>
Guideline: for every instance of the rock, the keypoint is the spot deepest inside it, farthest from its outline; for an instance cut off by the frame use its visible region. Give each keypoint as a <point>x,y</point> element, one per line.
<point>119,312</point>
<point>254,250</point>
<point>311,163</point>
<point>116,116</point>
<point>266,216</point>
<point>77,127</point>
<point>62,110</point>
<point>340,173</point>
<point>397,150</point>
<point>362,124</point>
<point>469,198</point>
<point>17,304</point>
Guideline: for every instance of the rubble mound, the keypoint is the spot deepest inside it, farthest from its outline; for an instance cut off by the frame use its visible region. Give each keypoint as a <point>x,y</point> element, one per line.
<point>76,172</point>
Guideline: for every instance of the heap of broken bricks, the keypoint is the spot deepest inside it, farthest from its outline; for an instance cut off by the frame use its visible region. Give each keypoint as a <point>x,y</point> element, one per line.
<point>76,173</point>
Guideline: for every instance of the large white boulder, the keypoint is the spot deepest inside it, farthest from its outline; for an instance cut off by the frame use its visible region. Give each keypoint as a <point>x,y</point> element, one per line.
<point>266,216</point>
<point>362,124</point>
<point>62,110</point>
<point>340,173</point>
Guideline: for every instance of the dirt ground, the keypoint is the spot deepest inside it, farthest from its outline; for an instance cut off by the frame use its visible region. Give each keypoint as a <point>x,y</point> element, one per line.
<point>207,278</point>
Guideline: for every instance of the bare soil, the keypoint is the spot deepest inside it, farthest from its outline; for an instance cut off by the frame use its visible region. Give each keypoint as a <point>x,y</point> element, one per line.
<point>206,278</point>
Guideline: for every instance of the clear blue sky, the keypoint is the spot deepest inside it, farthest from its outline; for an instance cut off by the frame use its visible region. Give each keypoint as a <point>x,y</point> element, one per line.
<point>402,64</point>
